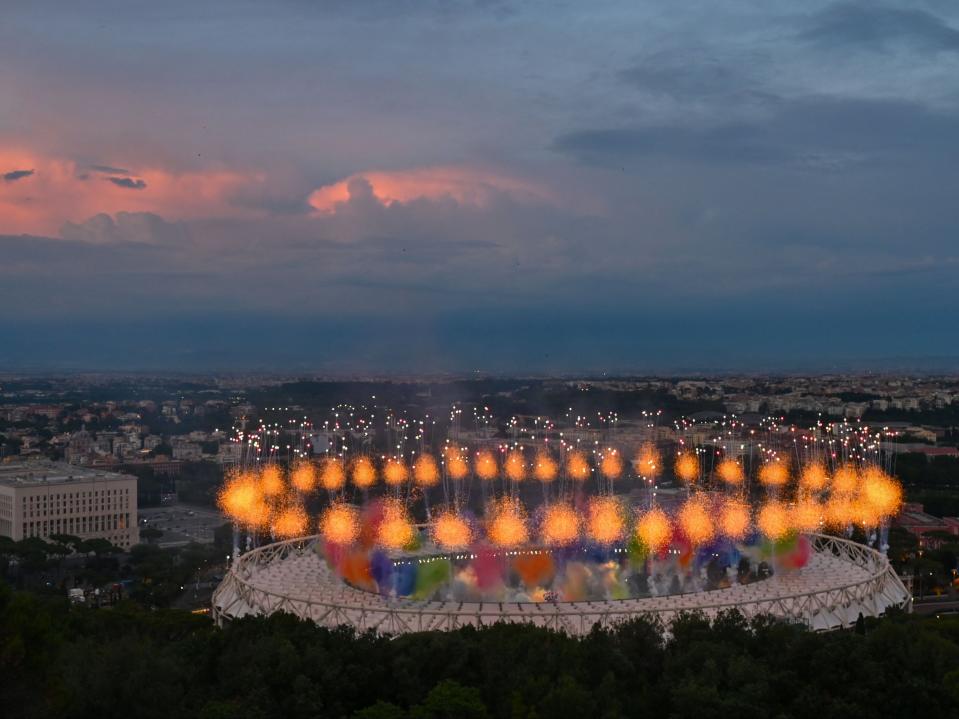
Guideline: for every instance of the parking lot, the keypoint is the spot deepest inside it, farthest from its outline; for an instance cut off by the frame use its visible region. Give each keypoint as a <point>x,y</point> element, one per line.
<point>181,523</point>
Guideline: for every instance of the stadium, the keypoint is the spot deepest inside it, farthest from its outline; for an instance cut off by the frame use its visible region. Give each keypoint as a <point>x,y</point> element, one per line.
<point>842,580</point>
<point>558,539</point>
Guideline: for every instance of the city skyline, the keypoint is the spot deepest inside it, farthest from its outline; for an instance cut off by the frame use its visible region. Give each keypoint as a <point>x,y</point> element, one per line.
<point>401,187</point>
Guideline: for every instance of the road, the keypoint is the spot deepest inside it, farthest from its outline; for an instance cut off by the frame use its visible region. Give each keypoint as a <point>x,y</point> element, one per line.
<point>181,523</point>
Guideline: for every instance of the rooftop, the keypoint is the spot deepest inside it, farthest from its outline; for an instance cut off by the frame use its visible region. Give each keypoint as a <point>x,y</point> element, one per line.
<point>36,473</point>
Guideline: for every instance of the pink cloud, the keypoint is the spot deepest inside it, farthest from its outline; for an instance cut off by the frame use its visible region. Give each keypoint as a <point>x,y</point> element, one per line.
<point>60,190</point>
<point>466,186</point>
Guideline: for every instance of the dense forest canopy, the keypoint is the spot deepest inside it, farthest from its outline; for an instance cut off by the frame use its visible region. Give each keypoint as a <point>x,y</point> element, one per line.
<point>61,661</point>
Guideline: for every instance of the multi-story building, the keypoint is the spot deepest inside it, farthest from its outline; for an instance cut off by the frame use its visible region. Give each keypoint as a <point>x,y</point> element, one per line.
<point>40,499</point>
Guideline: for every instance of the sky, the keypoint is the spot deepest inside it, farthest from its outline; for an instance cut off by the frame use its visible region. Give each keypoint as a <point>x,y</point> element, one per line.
<point>478,185</point>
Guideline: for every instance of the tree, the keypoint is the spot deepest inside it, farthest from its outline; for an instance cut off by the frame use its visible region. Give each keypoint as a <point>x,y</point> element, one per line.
<point>150,533</point>
<point>450,700</point>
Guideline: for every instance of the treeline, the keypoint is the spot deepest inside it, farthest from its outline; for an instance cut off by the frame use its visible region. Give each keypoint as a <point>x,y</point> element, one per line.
<point>57,661</point>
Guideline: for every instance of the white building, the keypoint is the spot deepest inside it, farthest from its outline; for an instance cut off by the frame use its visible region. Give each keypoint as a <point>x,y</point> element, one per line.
<point>40,499</point>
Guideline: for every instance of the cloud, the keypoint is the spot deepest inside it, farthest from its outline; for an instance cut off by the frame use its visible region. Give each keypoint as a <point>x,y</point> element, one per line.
<point>108,170</point>
<point>126,227</point>
<point>128,182</point>
<point>462,185</point>
<point>826,133</point>
<point>875,26</point>
<point>59,192</point>
<point>15,175</point>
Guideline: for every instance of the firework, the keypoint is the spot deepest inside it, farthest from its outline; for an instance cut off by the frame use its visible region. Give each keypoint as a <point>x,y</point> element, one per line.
<point>560,526</point>
<point>364,473</point>
<point>340,524</point>
<point>865,513</point>
<point>291,521</point>
<point>577,466</point>
<point>486,465</point>
<point>648,461</point>
<point>456,466</point>
<point>687,467</point>
<point>396,530</point>
<point>695,521</point>
<point>773,520</point>
<point>450,531</point>
<point>271,481</point>
<point>845,480</point>
<point>303,477</point>
<point>814,477</point>
<point>507,526</point>
<point>807,515</point>
<point>426,473</point>
<point>840,511</point>
<point>332,475</point>
<point>545,468</point>
<point>242,500</point>
<point>395,472</point>
<point>880,492</point>
<point>606,520</point>
<point>515,466</point>
<point>654,529</point>
<point>734,519</point>
<point>730,471</point>
<point>774,473</point>
<point>612,464</point>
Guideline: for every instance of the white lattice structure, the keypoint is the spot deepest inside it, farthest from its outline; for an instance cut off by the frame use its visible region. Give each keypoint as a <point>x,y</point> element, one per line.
<point>841,580</point>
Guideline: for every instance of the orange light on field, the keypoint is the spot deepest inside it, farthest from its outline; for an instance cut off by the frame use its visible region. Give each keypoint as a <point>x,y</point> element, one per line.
<point>456,465</point>
<point>545,468</point>
<point>507,525</point>
<point>606,520</point>
<point>291,521</point>
<point>332,475</point>
<point>515,466</point>
<point>730,471</point>
<point>654,529</point>
<point>814,477</point>
<point>340,524</point>
<point>649,461</point>
<point>426,473</point>
<point>395,472</point>
<point>577,466</point>
<point>734,519</point>
<point>845,480</point>
<point>395,530</point>
<point>774,473</point>
<point>807,515</point>
<point>687,467</point>
<point>773,520</point>
<point>364,473</point>
<point>486,465</point>
<point>611,465</point>
<point>695,520</point>
<point>241,498</point>
<point>450,531</point>
<point>271,481</point>
<point>303,476</point>
<point>561,525</point>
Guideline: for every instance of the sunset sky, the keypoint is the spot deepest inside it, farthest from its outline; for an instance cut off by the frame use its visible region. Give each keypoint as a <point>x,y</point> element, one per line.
<point>393,185</point>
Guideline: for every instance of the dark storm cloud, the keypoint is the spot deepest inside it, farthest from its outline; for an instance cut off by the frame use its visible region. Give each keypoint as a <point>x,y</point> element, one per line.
<point>876,26</point>
<point>128,182</point>
<point>822,132</point>
<point>15,175</point>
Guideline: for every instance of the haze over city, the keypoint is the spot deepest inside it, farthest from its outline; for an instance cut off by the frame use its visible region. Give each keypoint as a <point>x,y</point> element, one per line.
<point>495,186</point>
